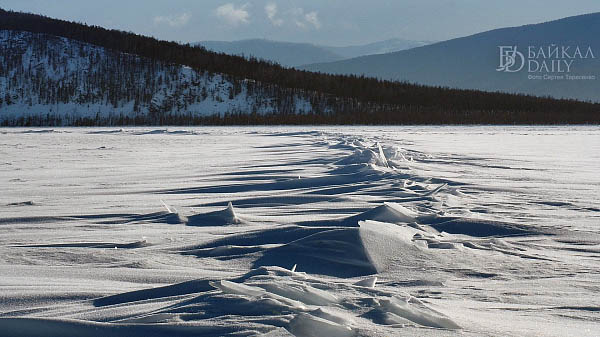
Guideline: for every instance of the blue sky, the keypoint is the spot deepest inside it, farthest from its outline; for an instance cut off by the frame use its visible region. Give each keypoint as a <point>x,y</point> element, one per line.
<point>331,22</point>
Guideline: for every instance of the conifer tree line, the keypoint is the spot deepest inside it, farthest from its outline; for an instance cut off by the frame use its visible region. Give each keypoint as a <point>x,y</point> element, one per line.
<point>56,81</point>
<point>134,68</point>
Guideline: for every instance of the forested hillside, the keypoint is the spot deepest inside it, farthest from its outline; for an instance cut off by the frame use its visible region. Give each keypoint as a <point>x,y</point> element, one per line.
<point>47,80</point>
<point>54,72</point>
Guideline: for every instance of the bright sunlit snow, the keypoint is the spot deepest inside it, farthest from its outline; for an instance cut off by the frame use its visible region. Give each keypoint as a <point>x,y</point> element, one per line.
<point>281,231</point>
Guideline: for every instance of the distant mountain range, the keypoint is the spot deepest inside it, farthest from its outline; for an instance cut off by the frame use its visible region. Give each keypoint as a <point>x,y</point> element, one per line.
<point>475,62</point>
<point>297,54</point>
<point>55,72</point>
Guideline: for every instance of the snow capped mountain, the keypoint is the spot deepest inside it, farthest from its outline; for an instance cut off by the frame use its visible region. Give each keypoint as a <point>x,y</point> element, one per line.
<point>58,81</point>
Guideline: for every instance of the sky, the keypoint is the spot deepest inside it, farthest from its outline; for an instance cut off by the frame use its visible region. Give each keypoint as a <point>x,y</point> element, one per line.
<point>325,22</point>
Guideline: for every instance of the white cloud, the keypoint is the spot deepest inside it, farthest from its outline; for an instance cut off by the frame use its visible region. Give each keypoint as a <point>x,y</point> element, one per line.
<point>173,20</point>
<point>232,15</point>
<point>304,20</point>
<point>313,19</point>
<point>271,11</point>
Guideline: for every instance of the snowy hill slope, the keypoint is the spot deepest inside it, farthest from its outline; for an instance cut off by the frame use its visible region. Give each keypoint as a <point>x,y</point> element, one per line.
<point>57,81</point>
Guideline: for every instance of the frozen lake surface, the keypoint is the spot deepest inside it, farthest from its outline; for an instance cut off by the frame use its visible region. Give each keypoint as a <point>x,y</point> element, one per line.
<point>298,231</point>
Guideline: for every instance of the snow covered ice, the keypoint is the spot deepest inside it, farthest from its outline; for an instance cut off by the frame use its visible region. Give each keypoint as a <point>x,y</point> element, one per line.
<point>285,231</point>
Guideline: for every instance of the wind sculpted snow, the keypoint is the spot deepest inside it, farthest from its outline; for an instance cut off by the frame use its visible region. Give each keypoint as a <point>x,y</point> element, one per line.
<point>295,232</point>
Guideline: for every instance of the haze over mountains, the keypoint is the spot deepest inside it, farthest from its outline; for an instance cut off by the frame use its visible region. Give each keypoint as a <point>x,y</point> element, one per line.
<point>380,47</point>
<point>472,62</point>
<point>297,54</point>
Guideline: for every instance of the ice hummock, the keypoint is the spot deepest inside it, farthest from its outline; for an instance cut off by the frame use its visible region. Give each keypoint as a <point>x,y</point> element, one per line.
<point>306,309</point>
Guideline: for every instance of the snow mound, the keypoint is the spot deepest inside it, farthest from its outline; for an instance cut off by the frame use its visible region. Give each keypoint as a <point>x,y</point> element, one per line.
<point>305,325</point>
<point>346,252</point>
<point>415,311</point>
<point>336,252</point>
<point>364,157</point>
<point>218,218</point>
<point>388,212</point>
